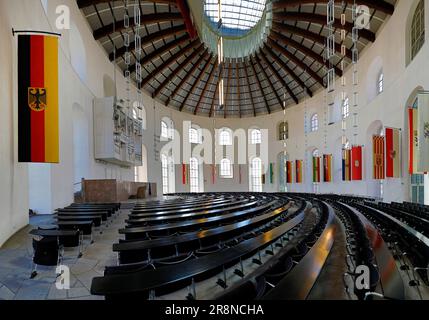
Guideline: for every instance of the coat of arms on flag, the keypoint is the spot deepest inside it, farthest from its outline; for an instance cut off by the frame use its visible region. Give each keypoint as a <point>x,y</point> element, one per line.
<point>37,99</point>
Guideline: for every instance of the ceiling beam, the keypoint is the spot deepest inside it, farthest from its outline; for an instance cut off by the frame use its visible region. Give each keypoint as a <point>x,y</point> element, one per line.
<point>250,90</point>
<point>295,60</point>
<point>276,74</point>
<point>86,3</point>
<point>379,5</point>
<point>150,39</point>
<point>228,88</point>
<point>209,80</point>
<point>187,75</point>
<point>303,49</point>
<point>167,62</point>
<point>259,85</point>
<point>280,27</point>
<point>321,19</point>
<point>146,20</point>
<point>179,67</point>
<point>237,71</point>
<point>268,79</point>
<point>197,81</point>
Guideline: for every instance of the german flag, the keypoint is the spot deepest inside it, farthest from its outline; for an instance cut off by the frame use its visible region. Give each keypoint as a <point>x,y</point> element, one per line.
<point>38,129</point>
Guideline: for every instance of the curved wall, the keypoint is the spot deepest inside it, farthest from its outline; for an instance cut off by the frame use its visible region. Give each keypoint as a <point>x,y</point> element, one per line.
<point>79,86</point>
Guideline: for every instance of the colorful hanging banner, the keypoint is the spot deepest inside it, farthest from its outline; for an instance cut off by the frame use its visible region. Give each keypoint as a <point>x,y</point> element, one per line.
<point>357,170</point>
<point>347,168</point>
<point>38,116</point>
<point>423,132</point>
<point>184,174</point>
<point>213,167</point>
<point>289,172</point>
<point>413,140</point>
<point>393,153</point>
<point>327,168</point>
<point>316,169</point>
<point>378,158</point>
<point>299,169</point>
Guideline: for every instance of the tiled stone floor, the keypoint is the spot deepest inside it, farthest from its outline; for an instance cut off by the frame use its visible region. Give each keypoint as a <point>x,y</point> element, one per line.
<point>16,256</point>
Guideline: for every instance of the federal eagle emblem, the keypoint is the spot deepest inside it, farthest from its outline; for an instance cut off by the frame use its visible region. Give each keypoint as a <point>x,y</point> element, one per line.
<point>357,164</point>
<point>426,130</point>
<point>37,99</point>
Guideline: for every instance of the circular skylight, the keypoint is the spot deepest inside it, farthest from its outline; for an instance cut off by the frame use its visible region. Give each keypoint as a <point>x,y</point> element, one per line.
<point>238,16</point>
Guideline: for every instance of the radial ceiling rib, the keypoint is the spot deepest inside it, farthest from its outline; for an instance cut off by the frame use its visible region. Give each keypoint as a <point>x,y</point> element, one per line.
<point>321,19</point>
<point>86,3</point>
<point>237,71</point>
<point>277,75</point>
<point>250,89</point>
<point>268,80</point>
<point>146,20</point>
<point>209,80</point>
<point>379,5</point>
<point>178,69</point>
<point>304,50</point>
<point>191,91</point>
<point>228,89</point>
<point>149,39</point>
<point>162,50</point>
<point>295,60</point>
<point>205,55</point>
<point>258,82</point>
<point>280,27</point>
<point>167,62</point>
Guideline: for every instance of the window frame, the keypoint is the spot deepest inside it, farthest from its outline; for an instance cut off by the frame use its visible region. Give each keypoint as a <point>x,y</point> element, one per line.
<point>226,169</point>
<point>194,175</point>
<point>256,175</point>
<point>314,123</point>
<point>255,136</point>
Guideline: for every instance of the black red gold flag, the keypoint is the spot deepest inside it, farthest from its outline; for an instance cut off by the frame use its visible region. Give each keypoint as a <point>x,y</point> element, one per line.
<point>38,123</point>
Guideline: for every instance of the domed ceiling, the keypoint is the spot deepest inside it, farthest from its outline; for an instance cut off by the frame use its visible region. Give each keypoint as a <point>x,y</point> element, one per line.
<point>273,49</point>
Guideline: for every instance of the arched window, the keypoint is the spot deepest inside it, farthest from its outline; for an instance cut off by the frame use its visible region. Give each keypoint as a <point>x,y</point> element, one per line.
<point>226,168</point>
<point>314,124</point>
<point>418,29</point>
<point>165,175</point>
<point>194,175</point>
<point>164,130</point>
<point>283,131</point>
<point>346,108</point>
<point>255,136</point>
<point>194,136</point>
<point>380,83</point>
<point>256,175</point>
<point>225,138</point>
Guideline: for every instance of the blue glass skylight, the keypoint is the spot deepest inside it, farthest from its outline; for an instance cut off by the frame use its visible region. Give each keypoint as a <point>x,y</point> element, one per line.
<point>238,16</point>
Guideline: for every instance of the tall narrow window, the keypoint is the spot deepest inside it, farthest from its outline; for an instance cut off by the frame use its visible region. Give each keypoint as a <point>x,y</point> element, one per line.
<point>255,136</point>
<point>194,136</point>
<point>164,130</point>
<point>165,175</point>
<point>380,84</point>
<point>314,124</point>
<point>256,175</point>
<point>418,29</point>
<point>226,168</point>
<point>194,175</point>
<point>225,138</point>
<point>346,108</point>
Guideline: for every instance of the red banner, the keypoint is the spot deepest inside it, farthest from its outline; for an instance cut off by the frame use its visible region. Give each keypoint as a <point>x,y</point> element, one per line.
<point>357,163</point>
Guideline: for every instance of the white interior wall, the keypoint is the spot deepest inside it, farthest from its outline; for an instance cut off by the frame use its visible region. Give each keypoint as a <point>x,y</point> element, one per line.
<point>79,86</point>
